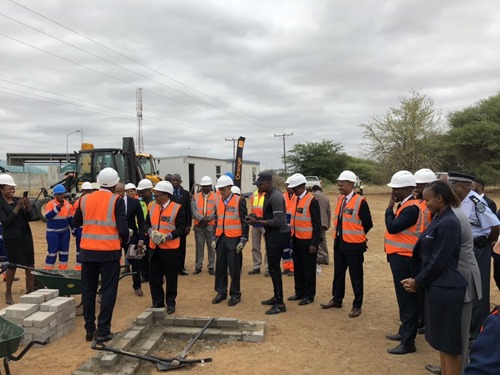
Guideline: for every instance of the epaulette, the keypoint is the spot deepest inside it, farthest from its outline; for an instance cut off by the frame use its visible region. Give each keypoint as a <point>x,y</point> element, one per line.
<point>480,206</point>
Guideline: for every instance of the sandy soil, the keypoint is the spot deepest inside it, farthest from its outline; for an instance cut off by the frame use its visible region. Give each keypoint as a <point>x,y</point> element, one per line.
<point>304,340</point>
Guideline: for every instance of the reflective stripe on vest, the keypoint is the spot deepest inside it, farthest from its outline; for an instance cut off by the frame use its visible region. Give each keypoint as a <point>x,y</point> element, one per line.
<point>165,224</point>
<point>290,203</point>
<point>99,222</point>
<point>64,214</point>
<point>403,242</point>
<point>198,201</point>
<point>228,217</point>
<point>258,203</point>
<point>352,227</point>
<point>301,222</point>
<point>426,216</point>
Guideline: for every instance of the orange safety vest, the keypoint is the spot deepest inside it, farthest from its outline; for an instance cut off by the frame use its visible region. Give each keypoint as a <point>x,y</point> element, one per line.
<point>352,227</point>
<point>164,224</point>
<point>301,222</point>
<point>290,203</point>
<point>66,211</point>
<point>402,243</point>
<point>99,231</point>
<point>210,209</point>
<point>426,216</point>
<point>228,217</point>
<point>258,203</point>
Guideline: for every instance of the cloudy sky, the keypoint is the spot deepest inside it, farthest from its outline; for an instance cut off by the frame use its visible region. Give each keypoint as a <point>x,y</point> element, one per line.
<point>212,70</point>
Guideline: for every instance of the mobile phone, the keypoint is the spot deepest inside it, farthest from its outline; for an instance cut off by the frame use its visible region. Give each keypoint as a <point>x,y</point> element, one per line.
<point>25,194</point>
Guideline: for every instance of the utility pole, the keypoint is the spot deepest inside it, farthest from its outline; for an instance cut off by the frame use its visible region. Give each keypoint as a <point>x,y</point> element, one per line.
<point>234,150</point>
<point>284,135</point>
<point>138,106</point>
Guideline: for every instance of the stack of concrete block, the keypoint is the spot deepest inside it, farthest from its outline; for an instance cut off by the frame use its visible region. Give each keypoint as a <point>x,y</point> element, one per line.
<point>44,315</point>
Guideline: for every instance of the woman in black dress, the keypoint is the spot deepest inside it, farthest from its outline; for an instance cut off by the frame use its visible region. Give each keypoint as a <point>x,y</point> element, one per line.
<point>18,240</point>
<point>435,268</point>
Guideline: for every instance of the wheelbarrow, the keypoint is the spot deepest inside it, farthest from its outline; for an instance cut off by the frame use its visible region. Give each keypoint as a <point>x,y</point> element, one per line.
<point>11,336</point>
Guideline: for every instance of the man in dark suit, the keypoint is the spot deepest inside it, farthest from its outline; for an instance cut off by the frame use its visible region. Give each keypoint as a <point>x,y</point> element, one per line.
<point>135,220</point>
<point>182,197</point>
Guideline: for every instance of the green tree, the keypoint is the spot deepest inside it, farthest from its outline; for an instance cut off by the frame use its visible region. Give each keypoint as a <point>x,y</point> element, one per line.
<point>403,137</point>
<point>325,159</point>
<point>473,141</point>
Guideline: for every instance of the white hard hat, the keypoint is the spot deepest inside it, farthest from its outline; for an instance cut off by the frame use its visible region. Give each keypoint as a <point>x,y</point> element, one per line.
<point>6,179</point>
<point>424,176</point>
<point>130,186</point>
<point>347,176</point>
<point>108,177</point>
<point>296,180</point>
<point>287,181</point>
<point>96,186</point>
<point>87,186</point>
<point>165,187</point>
<point>224,181</point>
<point>145,184</point>
<point>206,181</point>
<point>236,190</point>
<point>402,179</point>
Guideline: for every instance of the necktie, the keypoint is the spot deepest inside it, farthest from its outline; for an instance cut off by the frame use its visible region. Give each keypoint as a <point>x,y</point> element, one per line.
<point>205,197</point>
<point>339,219</point>
<point>178,195</point>
<point>161,212</point>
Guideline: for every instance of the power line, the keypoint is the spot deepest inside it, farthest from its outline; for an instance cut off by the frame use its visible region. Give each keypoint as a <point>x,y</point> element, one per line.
<point>136,62</point>
<point>284,136</point>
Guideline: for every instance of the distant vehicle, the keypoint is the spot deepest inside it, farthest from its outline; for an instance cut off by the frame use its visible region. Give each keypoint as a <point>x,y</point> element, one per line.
<point>311,181</point>
<point>358,186</point>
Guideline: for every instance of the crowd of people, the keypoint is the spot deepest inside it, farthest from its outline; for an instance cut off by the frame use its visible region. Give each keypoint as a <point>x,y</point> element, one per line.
<point>439,243</point>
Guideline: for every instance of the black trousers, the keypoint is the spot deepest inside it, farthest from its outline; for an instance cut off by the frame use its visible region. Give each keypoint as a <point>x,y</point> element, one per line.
<point>135,265</point>
<point>407,302</point>
<point>181,262</point>
<point>304,266</point>
<point>481,308</point>
<point>343,260</point>
<point>227,259</point>
<point>496,269</point>
<point>163,265</point>
<point>110,273</point>
<point>275,243</point>
<point>145,264</point>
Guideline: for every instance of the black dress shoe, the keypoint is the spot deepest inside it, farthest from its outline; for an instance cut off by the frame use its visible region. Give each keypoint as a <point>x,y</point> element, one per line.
<point>89,336</point>
<point>306,301</point>
<point>295,298</point>
<point>219,298</point>
<point>233,301</point>
<point>396,337</point>
<point>183,273</point>
<point>255,271</point>
<point>331,304</point>
<point>355,312</point>
<point>401,349</point>
<point>211,271</point>
<point>197,271</point>
<point>433,369</point>
<point>276,309</point>
<point>269,302</point>
<point>108,337</point>
<point>170,310</point>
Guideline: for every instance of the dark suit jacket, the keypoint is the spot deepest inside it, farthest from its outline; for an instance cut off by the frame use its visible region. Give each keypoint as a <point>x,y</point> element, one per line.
<point>14,226</point>
<point>185,202</point>
<point>436,253</point>
<point>135,217</point>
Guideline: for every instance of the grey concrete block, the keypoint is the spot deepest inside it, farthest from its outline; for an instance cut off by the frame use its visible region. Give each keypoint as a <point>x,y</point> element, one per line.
<point>18,321</point>
<point>145,319</point>
<point>80,372</point>
<point>42,318</point>
<point>20,310</point>
<point>48,293</point>
<point>53,324</point>
<point>226,322</point>
<point>230,335</point>
<point>40,330</point>
<point>158,313</point>
<point>32,298</point>
<point>202,322</point>
<point>109,360</point>
<point>165,321</point>
<point>184,322</point>
<point>251,336</point>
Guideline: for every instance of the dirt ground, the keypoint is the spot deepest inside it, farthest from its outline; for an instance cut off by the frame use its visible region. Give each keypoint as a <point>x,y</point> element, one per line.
<point>304,340</point>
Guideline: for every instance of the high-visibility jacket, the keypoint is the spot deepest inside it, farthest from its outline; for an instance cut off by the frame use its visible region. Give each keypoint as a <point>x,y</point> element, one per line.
<point>228,217</point>
<point>58,221</point>
<point>258,203</point>
<point>426,216</point>
<point>352,227</point>
<point>301,222</point>
<point>164,224</point>
<point>290,203</point>
<point>199,200</point>
<point>402,243</point>
<point>99,231</point>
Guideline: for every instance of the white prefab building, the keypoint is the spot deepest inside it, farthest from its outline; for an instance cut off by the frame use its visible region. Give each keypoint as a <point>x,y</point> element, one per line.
<point>193,168</point>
